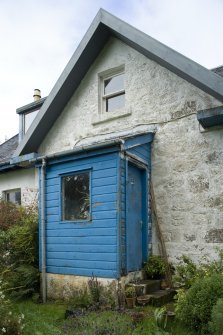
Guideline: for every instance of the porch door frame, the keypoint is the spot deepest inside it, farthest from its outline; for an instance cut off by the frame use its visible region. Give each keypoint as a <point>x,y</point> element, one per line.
<point>145,198</point>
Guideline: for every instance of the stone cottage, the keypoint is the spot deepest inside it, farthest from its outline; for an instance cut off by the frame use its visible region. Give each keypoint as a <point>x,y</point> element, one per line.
<point>127,114</point>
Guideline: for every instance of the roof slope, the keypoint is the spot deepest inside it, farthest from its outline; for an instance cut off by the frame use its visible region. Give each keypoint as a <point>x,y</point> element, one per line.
<point>218,70</point>
<point>102,28</point>
<point>8,148</point>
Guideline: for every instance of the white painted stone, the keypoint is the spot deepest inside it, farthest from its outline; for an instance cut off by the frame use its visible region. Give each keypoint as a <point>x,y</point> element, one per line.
<point>26,180</point>
<point>187,169</point>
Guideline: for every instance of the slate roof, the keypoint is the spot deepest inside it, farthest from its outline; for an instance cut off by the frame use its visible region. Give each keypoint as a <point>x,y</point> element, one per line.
<point>8,148</point>
<point>218,70</point>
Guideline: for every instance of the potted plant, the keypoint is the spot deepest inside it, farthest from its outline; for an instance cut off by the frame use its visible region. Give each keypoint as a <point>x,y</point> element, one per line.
<point>155,267</point>
<point>130,296</point>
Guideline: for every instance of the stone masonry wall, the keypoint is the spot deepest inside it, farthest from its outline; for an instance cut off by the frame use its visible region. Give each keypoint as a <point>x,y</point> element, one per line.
<point>187,169</point>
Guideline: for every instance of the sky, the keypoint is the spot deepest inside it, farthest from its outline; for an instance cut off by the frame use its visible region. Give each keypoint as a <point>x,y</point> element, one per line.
<point>39,37</point>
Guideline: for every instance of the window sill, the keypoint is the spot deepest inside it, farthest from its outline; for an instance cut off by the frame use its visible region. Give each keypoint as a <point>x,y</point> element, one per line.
<point>109,116</point>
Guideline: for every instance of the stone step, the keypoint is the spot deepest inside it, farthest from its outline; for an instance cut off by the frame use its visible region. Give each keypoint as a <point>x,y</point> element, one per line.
<point>158,298</point>
<point>150,285</point>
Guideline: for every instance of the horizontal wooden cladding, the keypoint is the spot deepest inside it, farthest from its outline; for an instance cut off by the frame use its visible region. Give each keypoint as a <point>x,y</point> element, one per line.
<point>82,256</point>
<point>83,272</point>
<point>99,223</point>
<point>102,265</point>
<point>89,248</point>
<point>82,232</point>
<point>82,248</point>
<point>97,240</point>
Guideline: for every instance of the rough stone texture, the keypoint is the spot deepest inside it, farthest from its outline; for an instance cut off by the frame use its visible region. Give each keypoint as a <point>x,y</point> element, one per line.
<point>26,179</point>
<point>187,162</point>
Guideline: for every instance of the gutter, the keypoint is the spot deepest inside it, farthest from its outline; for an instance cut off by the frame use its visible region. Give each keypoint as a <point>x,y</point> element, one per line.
<point>81,149</point>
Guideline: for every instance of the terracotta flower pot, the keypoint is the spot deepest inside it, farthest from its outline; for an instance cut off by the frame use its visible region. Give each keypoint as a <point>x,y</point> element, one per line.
<point>130,302</point>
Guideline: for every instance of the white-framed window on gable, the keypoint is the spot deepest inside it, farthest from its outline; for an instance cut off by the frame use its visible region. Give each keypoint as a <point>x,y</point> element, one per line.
<point>112,90</point>
<point>13,196</point>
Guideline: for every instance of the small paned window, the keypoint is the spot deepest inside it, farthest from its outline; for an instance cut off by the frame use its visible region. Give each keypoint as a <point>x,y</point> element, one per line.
<point>113,92</point>
<point>76,197</point>
<point>13,196</point>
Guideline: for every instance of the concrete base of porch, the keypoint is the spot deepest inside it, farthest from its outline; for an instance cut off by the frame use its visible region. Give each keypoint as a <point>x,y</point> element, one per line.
<point>65,286</point>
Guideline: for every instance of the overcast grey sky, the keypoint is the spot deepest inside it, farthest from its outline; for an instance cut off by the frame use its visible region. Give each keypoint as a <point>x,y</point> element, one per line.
<point>39,37</point>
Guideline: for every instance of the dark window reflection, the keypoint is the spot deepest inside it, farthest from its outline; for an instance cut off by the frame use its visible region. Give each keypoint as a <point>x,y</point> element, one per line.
<point>76,197</point>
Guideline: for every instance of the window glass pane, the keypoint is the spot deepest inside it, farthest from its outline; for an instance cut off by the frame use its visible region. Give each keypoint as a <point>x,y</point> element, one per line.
<point>76,197</point>
<point>115,102</point>
<point>29,117</point>
<point>114,84</point>
<point>13,196</point>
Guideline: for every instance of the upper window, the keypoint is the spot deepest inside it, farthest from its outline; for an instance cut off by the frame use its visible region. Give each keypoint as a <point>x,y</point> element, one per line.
<point>13,196</point>
<point>28,119</point>
<point>113,92</point>
<point>76,197</point>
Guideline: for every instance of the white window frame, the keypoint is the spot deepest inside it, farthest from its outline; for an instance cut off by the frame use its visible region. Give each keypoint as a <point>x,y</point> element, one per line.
<point>103,97</point>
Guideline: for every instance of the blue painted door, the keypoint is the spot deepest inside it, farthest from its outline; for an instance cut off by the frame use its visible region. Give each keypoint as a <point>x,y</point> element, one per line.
<point>134,218</point>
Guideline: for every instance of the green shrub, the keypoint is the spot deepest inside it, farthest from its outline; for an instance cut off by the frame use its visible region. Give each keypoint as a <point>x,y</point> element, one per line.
<point>155,267</point>
<point>194,307</point>
<point>10,323</point>
<point>216,323</point>
<point>10,214</point>
<point>187,272</point>
<point>19,252</point>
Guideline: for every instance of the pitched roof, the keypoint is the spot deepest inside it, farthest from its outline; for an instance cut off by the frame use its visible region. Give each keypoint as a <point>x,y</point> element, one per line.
<point>8,148</point>
<point>102,28</point>
<point>218,70</point>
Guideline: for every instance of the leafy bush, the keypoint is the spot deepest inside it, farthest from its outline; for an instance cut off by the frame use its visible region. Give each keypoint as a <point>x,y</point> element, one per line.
<point>19,252</point>
<point>216,323</point>
<point>10,323</point>
<point>10,214</point>
<point>155,267</point>
<point>187,272</point>
<point>194,307</point>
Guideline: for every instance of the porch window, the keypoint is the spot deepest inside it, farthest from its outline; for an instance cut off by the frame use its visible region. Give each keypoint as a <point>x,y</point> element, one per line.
<point>76,197</point>
<point>13,196</point>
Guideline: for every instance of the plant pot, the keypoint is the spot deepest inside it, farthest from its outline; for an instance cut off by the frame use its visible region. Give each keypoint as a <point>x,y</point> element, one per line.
<point>130,302</point>
<point>164,285</point>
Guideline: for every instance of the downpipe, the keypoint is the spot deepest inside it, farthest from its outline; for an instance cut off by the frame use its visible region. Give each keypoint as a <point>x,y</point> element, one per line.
<point>43,229</point>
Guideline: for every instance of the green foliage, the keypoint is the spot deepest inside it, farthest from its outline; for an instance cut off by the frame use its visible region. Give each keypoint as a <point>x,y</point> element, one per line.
<point>130,292</point>
<point>194,307</point>
<point>187,272</point>
<point>216,323</point>
<point>155,267</point>
<point>19,252</point>
<point>105,323</point>
<point>81,298</point>
<point>95,289</point>
<point>10,214</point>
<point>10,323</point>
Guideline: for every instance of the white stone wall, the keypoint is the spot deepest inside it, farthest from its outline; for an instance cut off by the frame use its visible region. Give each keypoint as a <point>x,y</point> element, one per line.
<point>26,179</point>
<point>186,163</point>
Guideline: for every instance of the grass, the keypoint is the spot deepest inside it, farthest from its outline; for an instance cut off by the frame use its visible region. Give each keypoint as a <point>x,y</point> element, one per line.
<point>48,319</point>
<point>41,319</point>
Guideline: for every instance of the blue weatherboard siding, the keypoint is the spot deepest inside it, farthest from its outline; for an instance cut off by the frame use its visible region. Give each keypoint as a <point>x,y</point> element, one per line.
<point>97,246</point>
<point>84,248</point>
